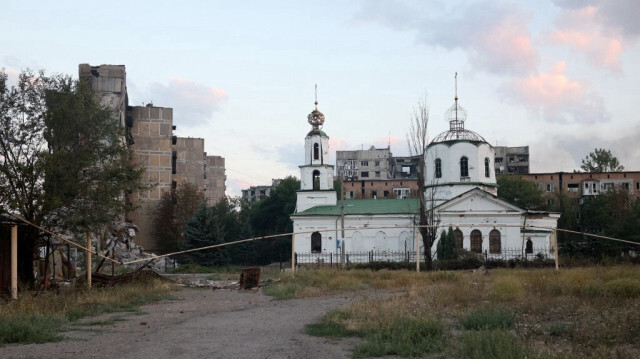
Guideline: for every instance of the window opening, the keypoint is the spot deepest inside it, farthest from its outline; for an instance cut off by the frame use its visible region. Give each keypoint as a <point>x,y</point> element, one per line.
<point>316,242</point>
<point>464,167</point>
<point>486,167</point>
<point>457,234</point>
<point>438,168</point>
<point>316,180</point>
<point>494,242</point>
<point>316,151</point>
<point>476,241</point>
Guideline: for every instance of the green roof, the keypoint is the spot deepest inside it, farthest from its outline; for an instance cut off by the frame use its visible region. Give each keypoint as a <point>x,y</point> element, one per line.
<point>366,206</point>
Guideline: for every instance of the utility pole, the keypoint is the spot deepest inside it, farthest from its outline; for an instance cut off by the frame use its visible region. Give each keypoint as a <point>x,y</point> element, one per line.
<point>342,249</point>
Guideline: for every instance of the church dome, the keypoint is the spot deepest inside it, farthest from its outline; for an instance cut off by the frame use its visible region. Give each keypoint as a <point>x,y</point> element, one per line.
<point>316,118</point>
<point>457,115</point>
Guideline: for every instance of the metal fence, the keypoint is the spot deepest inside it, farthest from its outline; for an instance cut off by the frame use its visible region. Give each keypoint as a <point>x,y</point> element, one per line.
<point>331,260</point>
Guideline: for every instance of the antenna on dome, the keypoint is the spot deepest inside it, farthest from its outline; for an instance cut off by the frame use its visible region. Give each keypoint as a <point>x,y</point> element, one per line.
<point>456,98</point>
<point>316,96</point>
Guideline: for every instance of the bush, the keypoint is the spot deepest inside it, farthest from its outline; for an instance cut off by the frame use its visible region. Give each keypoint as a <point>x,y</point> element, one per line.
<point>491,344</point>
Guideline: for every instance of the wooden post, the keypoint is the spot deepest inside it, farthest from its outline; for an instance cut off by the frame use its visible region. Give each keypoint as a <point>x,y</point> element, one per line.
<point>14,262</point>
<point>89,260</point>
<point>293,253</point>
<point>555,248</point>
<point>418,249</point>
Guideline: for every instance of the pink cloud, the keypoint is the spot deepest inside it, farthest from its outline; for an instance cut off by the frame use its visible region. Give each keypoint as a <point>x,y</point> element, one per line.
<point>194,103</point>
<point>582,31</point>
<point>557,98</point>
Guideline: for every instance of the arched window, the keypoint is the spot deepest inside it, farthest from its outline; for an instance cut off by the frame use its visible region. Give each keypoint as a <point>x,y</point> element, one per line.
<point>495,245</point>
<point>316,151</point>
<point>316,180</point>
<point>486,167</point>
<point>476,241</point>
<point>464,166</point>
<point>457,234</point>
<point>529,248</point>
<point>316,242</point>
<point>438,168</point>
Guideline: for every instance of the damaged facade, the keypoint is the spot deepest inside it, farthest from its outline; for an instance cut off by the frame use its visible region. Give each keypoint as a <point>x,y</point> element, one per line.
<point>167,159</point>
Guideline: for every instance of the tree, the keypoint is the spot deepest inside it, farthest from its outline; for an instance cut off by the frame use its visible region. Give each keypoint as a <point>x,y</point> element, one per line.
<point>446,248</point>
<point>172,214</point>
<point>516,190</point>
<point>601,160</point>
<point>63,159</point>
<point>209,226</point>
<point>272,216</point>
<point>417,141</point>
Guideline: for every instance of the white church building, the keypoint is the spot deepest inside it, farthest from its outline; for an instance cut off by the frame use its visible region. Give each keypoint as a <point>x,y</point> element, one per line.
<point>460,185</point>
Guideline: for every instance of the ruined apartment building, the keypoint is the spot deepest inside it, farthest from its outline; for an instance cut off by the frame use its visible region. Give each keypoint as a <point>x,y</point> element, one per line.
<point>584,184</point>
<point>511,160</point>
<point>374,163</point>
<point>193,166</point>
<point>214,182</point>
<point>149,135</point>
<point>152,149</point>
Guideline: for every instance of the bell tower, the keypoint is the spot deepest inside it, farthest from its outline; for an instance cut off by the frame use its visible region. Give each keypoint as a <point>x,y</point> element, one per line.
<point>316,175</point>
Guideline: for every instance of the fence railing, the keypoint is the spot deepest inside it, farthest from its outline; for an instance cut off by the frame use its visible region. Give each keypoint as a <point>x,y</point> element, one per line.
<point>333,259</point>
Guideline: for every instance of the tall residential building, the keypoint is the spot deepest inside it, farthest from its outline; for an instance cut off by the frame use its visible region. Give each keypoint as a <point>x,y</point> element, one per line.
<point>511,160</point>
<point>374,163</point>
<point>215,177</point>
<point>151,149</point>
<point>167,159</point>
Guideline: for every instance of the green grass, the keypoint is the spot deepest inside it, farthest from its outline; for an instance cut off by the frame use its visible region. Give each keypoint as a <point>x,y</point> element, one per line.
<point>509,313</point>
<point>489,344</point>
<point>407,337</point>
<point>488,317</point>
<point>31,319</point>
<point>34,328</point>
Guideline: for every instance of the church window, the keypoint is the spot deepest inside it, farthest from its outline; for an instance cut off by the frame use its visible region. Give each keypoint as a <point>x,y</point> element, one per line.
<point>464,167</point>
<point>316,180</point>
<point>476,241</point>
<point>495,245</point>
<point>457,234</point>
<point>486,167</point>
<point>316,151</point>
<point>316,242</point>
<point>438,168</point>
<point>529,248</point>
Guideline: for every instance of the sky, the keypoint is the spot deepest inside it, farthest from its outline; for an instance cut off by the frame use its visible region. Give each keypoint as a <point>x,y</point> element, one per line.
<point>558,76</point>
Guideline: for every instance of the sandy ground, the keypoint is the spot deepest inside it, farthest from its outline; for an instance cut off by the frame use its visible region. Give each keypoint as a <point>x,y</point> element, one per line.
<point>203,323</point>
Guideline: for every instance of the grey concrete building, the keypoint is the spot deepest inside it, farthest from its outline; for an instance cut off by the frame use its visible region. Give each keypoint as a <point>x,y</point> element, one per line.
<point>215,177</point>
<point>256,193</point>
<point>374,163</point>
<point>167,159</point>
<point>510,160</point>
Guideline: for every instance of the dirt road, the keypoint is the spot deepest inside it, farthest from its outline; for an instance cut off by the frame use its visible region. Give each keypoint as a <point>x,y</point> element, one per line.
<point>202,323</point>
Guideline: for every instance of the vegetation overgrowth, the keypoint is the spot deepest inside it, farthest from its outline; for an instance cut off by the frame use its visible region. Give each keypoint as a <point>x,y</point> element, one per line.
<point>43,317</point>
<point>535,313</point>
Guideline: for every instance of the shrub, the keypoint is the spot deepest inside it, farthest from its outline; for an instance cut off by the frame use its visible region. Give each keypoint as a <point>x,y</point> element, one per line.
<point>491,344</point>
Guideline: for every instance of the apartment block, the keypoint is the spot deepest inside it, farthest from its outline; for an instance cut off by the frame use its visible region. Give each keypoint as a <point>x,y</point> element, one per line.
<point>215,177</point>
<point>256,193</point>
<point>511,160</point>
<point>374,163</point>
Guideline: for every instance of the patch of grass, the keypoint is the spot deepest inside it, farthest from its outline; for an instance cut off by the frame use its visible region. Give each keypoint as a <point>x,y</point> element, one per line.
<point>489,344</point>
<point>32,319</point>
<point>507,288</point>
<point>407,337</point>
<point>30,328</point>
<point>109,321</point>
<point>282,290</point>
<point>488,317</point>
<point>622,288</point>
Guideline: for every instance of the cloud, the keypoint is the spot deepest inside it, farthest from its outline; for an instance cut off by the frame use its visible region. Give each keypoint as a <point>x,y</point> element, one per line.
<point>494,33</point>
<point>193,103</point>
<point>556,98</point>
<point>599,29</point>
<point>581,30</point>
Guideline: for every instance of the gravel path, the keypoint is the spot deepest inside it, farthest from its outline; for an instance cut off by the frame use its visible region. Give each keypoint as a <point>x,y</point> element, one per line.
<point>203,323</point>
